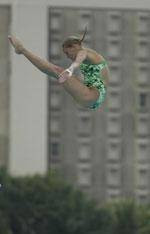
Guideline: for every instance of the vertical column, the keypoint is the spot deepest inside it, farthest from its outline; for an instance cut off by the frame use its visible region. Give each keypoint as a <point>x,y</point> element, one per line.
<point>142,110</point>
<point>114,141</point>
<point>28,103</point>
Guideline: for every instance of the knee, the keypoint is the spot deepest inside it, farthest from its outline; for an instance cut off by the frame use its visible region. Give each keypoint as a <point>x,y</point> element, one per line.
<point>91,95</point>
<point>87,102</point>
<point>87,97</point>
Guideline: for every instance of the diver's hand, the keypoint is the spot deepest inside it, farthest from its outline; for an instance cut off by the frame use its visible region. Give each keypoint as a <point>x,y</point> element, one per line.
<point>65,75</point>
<point>68,72</point>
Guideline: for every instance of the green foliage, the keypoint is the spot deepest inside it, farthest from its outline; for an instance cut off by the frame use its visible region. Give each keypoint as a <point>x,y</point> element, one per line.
<point>47,205</point>
<point>144,219</point>
<point>124,217</point>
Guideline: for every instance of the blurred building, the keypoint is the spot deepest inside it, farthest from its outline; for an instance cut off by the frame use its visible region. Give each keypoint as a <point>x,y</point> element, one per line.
<point>4,84</point>
<point>104,153</point>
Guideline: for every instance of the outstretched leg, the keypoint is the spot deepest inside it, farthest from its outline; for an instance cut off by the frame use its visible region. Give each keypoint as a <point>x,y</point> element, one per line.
<point>80,92</point>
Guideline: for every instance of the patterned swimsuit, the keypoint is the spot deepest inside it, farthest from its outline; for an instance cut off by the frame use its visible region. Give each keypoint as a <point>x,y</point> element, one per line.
<point>93,78</point>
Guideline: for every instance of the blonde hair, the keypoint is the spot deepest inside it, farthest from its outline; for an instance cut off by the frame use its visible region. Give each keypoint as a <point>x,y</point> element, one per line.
<point>69,41</point>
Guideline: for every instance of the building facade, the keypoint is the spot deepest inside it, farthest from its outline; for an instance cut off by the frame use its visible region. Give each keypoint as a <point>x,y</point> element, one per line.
<point>105,153</point>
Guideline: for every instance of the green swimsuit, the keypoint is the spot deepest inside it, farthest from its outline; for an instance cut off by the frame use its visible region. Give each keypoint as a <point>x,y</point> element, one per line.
<point>93,78</point>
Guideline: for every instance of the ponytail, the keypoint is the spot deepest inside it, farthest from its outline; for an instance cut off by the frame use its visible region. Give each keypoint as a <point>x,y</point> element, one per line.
<point>85,32</point>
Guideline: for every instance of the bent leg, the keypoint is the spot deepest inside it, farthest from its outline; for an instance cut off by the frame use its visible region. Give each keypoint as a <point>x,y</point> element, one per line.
<point>81,93</point>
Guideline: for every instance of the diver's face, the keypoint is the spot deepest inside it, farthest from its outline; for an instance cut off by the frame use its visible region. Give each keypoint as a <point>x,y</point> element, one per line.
<point>71,51</point>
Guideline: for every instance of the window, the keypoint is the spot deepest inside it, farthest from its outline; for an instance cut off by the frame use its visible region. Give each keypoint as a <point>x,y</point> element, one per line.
<point>84,124</point>
<point>113,175</point>
<point>143,74</point>
<point>142,149</point>
<point>55,99</point>
<point>114,22</point>
<point>55,125</point>
<point>84,151</point>
<point>54,152</point>
<point>84,19</point>
<point>142,23</point>
<point>143,126</point>
<point>142,175</point>
<point>55,148</point>
<point>142,50</point>
<point>84,174</point>
<point>113,193</point>
<point>142,101</point>
<point>114,125</point>
<point>55,21</point>
<point>114,100</point>
<point>113,149</point>
<point>54,49</point>
<point>114,48</point>
<point>116,75</point>
<point>142,195</point>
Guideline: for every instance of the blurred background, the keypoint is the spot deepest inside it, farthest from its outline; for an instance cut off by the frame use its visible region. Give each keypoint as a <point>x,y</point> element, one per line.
<point>106,153</point>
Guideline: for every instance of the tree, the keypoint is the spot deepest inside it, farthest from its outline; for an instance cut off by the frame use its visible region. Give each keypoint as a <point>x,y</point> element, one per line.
<point>124,213</point>
<point>45,204</point>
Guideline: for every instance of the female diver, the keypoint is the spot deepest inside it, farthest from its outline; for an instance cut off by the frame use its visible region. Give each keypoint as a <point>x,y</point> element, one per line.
<point>90,93</point>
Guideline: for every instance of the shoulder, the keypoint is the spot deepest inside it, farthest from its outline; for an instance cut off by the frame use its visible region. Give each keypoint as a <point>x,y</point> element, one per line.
<point>94,56</point>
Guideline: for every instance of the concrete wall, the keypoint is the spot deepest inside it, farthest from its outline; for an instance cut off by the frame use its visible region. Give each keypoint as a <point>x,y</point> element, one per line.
<point>28,128</point>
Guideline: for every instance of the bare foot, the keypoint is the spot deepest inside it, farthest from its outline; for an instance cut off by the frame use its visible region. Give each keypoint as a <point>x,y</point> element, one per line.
<point>17,44</point>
